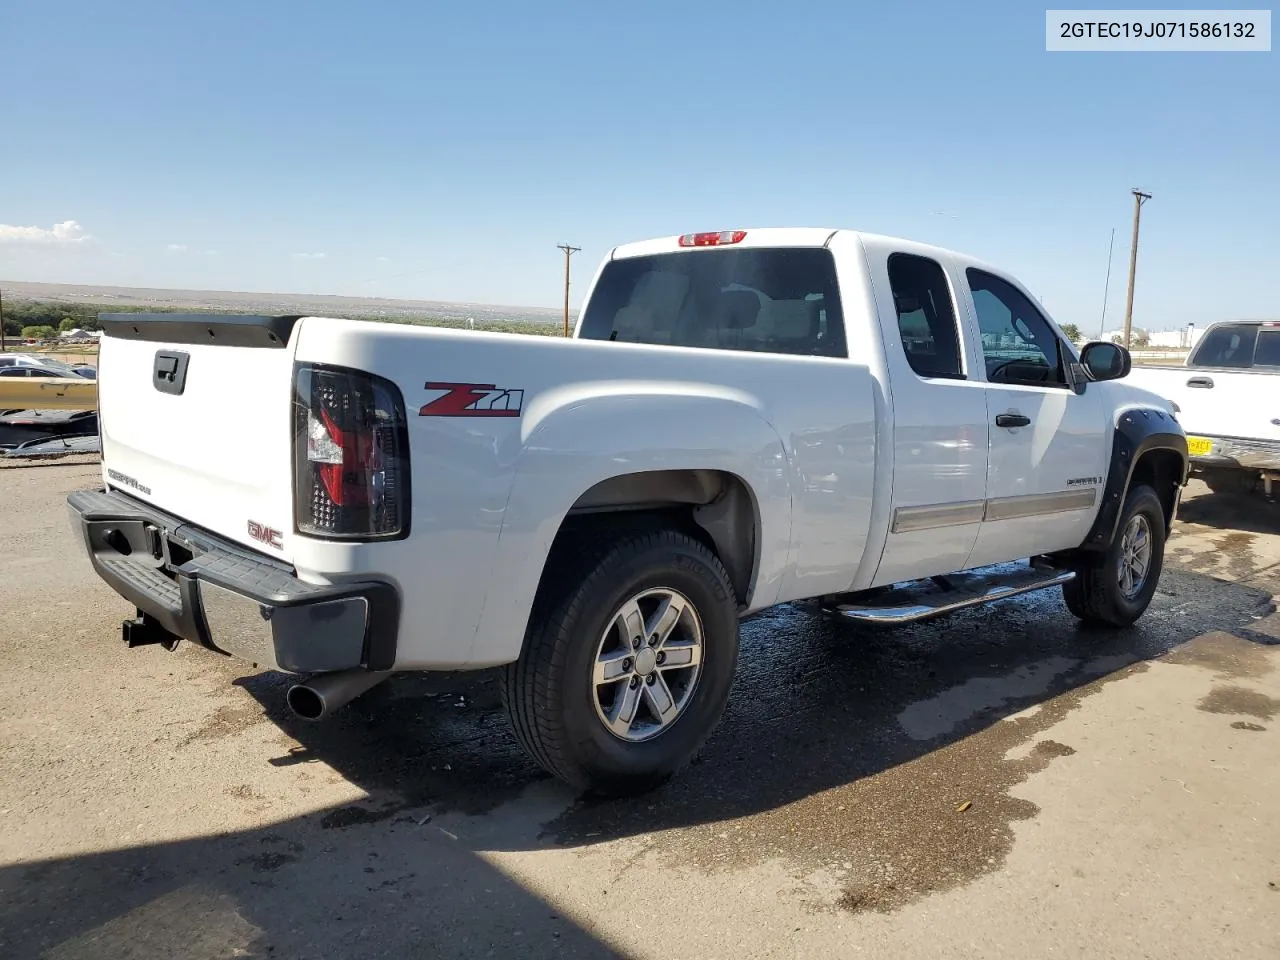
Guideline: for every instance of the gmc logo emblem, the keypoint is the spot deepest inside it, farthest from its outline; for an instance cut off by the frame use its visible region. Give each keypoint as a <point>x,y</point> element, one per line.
<point>264,534</point>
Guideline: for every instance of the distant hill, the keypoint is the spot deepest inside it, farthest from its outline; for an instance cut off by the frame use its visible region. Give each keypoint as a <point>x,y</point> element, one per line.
<point>274,303</point>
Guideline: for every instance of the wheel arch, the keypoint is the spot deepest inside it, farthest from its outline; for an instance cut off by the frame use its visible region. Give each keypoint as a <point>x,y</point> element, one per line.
<point>717,507</point>
<point>1148,447</point>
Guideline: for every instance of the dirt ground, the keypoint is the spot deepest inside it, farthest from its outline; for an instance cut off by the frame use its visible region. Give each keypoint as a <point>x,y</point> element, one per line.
<point>1001,783</point>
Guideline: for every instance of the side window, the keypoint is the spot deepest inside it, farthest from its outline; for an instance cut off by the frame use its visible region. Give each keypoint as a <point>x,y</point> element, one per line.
<point>1018,343</point>
<point>1229,346</point>
<point>1268,352</point>
<point>926,317</point>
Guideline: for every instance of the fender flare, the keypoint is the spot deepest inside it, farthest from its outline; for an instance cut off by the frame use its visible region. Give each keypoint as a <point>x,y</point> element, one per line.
<point>1139,431</point>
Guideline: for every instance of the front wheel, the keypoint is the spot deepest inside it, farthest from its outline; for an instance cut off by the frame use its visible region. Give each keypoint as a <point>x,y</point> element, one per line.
<point>1115,588</point>
<point>627,663</point>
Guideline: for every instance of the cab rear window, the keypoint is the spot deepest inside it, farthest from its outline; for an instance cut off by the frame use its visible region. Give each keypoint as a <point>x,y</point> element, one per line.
<point>1227,345</point>
<point>771,300</point>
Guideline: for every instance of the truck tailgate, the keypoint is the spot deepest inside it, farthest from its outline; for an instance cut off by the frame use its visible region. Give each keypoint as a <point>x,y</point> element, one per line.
<point>196,418</point>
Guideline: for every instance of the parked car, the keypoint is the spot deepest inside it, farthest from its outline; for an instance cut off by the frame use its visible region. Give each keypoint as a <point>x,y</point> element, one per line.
<point>741,419</point>
<point>1228,398</point>
<point>35,365</point>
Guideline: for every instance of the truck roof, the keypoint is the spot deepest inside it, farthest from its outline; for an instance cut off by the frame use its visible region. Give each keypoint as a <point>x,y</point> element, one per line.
<point>776,237</point>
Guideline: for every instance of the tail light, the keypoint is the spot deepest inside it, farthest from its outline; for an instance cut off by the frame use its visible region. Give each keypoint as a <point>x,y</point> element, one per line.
<point>351,456</point>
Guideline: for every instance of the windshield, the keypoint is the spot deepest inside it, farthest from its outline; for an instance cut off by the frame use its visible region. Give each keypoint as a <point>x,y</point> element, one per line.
<point>52,364</point>
<point>782,300</point>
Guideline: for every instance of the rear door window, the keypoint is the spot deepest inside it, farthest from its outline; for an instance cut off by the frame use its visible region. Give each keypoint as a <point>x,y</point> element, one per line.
<point>764,300</point>
<point>1267,353</point>
<point>926,317</point>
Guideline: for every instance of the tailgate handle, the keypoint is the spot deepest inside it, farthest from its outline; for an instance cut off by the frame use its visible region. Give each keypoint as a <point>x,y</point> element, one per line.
<point>1203,382</point>
<point>169,375</point>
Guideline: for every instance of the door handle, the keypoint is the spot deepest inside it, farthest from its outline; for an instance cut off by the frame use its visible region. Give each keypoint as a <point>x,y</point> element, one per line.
<point>1012,420</point>
<point>1204,383</point>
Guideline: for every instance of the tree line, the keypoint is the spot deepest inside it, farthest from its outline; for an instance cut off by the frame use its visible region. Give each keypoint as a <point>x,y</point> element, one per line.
<point>38,319</point>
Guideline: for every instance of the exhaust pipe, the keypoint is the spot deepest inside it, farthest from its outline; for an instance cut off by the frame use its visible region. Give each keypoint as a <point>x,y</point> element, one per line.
<point>321,695</point>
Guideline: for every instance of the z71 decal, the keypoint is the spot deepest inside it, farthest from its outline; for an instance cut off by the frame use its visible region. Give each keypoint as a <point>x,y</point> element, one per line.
<point>473,400</point>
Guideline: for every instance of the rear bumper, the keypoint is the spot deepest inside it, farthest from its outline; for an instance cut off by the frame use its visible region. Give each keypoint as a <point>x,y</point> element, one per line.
<point>206,589</point>
<point>1235,452</point>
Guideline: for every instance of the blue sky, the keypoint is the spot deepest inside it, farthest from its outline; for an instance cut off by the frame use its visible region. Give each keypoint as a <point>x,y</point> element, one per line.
<point>431,151</point>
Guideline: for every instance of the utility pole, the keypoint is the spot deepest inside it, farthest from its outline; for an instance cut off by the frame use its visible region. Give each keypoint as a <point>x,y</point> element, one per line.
<point>1139,198</point>
<point>568,252</point>
<point>1106,287</point>
<point>3,346</point>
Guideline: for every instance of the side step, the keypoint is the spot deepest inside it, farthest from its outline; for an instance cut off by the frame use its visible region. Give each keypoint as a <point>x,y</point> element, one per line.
<point>925,599</point>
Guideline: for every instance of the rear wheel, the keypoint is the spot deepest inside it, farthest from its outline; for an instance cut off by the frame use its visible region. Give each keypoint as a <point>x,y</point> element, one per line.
<point>1114,588</point>
<point>628,662</point>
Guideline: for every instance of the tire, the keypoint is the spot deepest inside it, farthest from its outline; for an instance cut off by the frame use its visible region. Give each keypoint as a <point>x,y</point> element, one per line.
<point>558,712</point>
<point>1228,480</point>
<point>1097,595</point>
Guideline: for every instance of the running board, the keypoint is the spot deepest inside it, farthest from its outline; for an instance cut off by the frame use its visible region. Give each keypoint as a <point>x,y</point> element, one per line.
<point>922,600</point>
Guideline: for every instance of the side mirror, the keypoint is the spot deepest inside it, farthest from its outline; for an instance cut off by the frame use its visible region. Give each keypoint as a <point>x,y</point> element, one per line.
<point>1106,361</point>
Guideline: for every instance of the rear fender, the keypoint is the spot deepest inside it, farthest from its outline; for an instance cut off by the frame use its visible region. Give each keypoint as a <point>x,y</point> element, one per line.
<point>571,445</point>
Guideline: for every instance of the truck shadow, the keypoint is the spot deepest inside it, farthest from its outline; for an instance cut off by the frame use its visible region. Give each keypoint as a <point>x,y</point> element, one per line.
<point>295,889</point>
<point>1249,513</point>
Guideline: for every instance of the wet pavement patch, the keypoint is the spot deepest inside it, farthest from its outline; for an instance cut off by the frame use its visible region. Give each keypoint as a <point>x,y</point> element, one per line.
<point>352,816</point>
<point>1229,657</point>
<point>1241,702</point>
<point>267,862</point>
<point>226,721</point>
<point>1051,748</point>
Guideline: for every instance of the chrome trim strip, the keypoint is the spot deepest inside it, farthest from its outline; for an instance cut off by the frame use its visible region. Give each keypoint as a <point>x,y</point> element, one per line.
<point>1038,504</point>
<point>931,516</point>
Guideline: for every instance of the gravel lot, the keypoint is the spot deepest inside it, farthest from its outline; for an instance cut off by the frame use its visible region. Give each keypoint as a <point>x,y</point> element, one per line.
<point>1000,783</point>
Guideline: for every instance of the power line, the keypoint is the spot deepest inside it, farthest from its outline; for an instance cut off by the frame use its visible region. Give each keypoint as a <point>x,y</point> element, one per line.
<point>1106,288</point>
<point>568,252</point>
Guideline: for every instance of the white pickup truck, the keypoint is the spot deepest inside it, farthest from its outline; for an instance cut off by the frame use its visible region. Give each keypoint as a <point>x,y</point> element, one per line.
<point>1228,400</point>
<point>742,419</point>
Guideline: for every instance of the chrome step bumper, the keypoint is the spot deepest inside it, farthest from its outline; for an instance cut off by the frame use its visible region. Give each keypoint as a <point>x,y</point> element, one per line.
<point>924,599</point>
